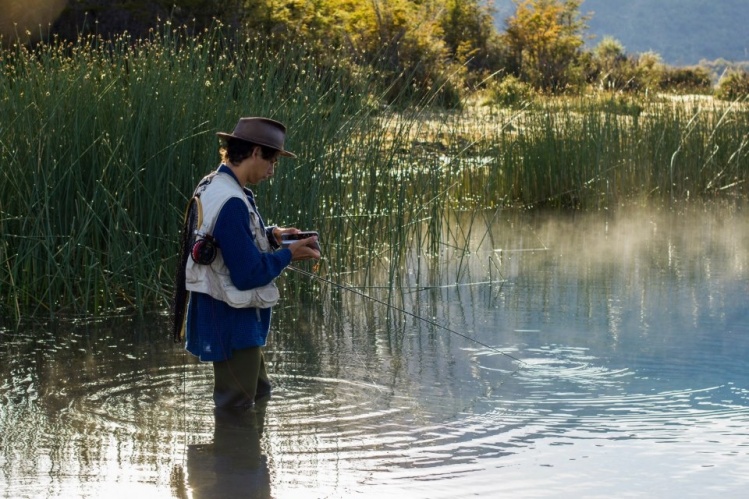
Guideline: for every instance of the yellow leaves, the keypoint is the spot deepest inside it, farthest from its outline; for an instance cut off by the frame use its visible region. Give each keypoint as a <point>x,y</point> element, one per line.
<point>533,22</point>
<point>545,36</point>
<point>465,51</point>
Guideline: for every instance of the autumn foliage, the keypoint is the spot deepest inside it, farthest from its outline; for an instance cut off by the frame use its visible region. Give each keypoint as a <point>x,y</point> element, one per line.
<point>423,51</point>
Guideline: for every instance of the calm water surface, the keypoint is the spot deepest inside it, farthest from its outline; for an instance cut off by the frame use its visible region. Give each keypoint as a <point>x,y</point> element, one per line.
<point>631,334</point>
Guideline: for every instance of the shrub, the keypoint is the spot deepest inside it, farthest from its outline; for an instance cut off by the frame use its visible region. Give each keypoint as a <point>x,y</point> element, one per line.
<point>686,80</point>
<point>510,92</point>
<point>650,69</point>
<point>733,85</point>
<point>611,68</point>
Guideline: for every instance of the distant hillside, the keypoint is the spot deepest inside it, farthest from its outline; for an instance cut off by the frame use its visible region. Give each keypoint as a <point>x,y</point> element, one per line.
<point>683,32</point>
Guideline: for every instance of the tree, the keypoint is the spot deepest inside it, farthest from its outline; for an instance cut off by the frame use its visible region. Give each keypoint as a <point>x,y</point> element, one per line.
<point>469,34</point>
<point>613,69</point>
<point>322,23</point>
<point>545,39</point>
<point>401,41</point>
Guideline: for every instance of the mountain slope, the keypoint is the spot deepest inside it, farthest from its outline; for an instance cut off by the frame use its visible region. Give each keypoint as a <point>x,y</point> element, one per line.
<point>683,32</point>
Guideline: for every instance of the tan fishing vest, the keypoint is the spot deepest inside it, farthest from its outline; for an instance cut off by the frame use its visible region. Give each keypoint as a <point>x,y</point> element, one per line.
<point>212,193</point>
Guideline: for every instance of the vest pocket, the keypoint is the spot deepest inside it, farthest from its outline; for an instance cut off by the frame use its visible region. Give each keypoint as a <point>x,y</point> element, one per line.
<point>263,297</point>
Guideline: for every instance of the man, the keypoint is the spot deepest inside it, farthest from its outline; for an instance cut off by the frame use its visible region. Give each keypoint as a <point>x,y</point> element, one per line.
<point>229,263</point>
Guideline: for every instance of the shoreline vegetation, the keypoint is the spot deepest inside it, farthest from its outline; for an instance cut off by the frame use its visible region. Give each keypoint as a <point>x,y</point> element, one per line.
<point>103,140</point>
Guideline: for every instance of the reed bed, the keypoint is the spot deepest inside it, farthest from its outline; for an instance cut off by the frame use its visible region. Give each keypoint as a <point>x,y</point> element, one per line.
<point>103,142</point>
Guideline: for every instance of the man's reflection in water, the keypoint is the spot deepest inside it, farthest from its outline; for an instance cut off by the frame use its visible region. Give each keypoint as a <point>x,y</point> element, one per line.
<point>231,466</point>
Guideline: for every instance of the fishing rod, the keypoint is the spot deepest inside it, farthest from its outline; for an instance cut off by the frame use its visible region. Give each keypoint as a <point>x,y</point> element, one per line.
<point>397,309</point>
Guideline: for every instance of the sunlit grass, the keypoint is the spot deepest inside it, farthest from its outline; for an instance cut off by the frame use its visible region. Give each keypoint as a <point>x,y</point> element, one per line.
<point>103,142</point>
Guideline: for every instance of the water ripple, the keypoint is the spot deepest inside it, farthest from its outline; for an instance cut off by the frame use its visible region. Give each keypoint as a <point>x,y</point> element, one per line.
<point>373,427</point>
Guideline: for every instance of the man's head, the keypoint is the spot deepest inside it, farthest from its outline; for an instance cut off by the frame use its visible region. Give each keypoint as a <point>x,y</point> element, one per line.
<point>264,132</point>
<point>235,151</point>
<point>253,148</point>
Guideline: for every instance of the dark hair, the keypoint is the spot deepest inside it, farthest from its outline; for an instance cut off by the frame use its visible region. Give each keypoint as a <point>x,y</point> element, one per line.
<point>235,151</point>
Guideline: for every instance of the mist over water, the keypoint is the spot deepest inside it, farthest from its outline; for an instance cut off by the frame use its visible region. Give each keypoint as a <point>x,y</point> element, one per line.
<point>577,355</point>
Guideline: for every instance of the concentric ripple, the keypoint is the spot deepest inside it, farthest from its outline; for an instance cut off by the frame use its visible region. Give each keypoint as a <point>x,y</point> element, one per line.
<point>372,430</point>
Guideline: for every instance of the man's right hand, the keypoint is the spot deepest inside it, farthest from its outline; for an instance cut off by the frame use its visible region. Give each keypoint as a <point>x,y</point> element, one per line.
<point>305,249</point>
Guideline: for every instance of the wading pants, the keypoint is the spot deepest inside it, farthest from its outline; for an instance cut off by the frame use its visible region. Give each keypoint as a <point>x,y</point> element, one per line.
<point>242,380</point>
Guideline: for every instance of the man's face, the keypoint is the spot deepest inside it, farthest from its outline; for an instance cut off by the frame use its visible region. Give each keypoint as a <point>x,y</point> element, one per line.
<point>259,168</point>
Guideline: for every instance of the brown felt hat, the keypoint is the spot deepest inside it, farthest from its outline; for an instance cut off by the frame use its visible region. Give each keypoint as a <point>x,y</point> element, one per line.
<point>260,131</point>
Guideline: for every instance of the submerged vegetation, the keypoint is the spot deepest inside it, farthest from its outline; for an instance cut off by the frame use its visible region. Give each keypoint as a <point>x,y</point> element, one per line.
<point>103,141</point>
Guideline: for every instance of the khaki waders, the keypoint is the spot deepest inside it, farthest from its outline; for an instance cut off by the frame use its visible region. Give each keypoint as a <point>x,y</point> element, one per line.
<point>242,380</point>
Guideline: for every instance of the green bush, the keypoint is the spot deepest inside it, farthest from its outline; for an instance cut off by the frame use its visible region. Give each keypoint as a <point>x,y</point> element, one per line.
<point>734,85</point>
<point>510,92</point>
<point>650,69</point>
<point>609,68</point>
<point>686,80</point>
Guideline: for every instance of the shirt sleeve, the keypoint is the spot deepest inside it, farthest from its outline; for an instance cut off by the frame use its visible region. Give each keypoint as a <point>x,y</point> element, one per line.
<point>248,267</point>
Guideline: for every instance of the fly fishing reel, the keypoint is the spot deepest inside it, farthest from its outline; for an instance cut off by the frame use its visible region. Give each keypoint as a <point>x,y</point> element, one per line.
<point>204,249</point>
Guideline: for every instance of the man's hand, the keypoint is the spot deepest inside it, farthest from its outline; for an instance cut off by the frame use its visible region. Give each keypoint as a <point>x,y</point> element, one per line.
<point>304,249</point>
<point>278,232</point>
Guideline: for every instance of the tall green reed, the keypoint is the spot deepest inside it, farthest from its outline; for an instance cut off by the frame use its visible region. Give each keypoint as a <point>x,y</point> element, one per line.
<point>586,154</point>
<point>103,142</point>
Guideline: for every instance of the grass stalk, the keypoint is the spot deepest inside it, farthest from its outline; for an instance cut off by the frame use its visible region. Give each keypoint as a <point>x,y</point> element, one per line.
<point>103,143</point>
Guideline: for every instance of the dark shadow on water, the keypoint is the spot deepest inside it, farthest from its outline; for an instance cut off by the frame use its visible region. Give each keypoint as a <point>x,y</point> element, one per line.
<point>233,464</point>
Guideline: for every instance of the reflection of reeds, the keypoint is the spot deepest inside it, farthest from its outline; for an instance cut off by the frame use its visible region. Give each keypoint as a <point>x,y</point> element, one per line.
<point>103,141</point>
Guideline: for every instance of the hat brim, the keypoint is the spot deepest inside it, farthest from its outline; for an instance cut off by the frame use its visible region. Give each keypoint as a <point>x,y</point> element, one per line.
<point>282,152</point>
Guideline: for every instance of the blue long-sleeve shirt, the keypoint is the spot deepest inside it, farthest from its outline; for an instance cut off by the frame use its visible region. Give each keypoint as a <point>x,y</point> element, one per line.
<point>214,329</point>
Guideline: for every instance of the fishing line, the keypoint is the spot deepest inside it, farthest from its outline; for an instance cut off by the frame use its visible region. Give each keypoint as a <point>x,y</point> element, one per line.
<point>406,312</point>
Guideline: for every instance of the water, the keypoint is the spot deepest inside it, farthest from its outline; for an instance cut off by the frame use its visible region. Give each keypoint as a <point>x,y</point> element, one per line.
<point>631,333</point>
